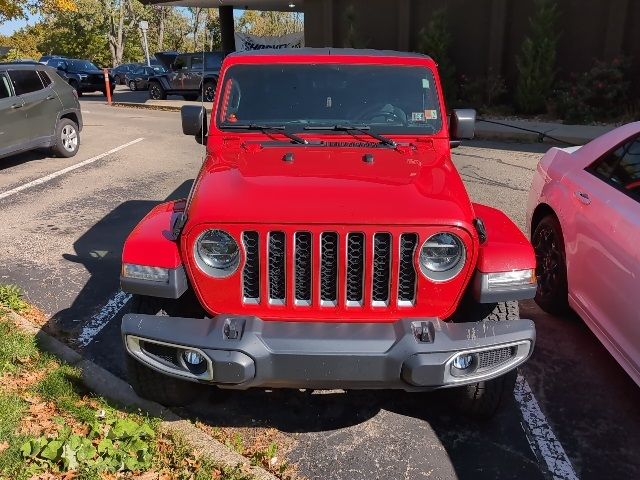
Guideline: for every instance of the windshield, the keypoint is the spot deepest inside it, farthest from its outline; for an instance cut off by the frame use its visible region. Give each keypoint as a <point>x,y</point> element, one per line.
<point>81,65</point>
<point>388,99</point>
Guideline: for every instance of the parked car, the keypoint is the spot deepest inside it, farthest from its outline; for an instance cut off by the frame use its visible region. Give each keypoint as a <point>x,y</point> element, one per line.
<point>139,78</point>
<point>37,109</point>
<point>45,58</point>
<point>82,75</point>
<point>119,73</point>
<point>584,217</point>
<point>328,242</point>
<point>188,74</point>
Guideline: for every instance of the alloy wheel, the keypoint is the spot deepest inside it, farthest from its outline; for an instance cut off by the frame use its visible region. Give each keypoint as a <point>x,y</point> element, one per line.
<point>69,137</point>
<point>549,260</point>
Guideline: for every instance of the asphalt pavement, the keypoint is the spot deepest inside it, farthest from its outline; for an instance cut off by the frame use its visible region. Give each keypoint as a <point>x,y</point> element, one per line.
<point>574,414</point>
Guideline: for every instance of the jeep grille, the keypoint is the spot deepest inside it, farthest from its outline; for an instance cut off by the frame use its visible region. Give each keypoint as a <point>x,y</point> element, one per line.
<point>313,261</point>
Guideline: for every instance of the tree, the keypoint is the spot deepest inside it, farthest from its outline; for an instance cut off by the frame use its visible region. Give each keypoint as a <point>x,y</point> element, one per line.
<point>12,9</point>
<point>435,41</point>
<point>537,59</point>
<point>269,23</point>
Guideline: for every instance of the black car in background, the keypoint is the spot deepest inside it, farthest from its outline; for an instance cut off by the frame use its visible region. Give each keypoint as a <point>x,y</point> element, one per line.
<point>82,75</point>
<point>38,109</point>
<point>119,73</point>
<point>188,74</point>
<point>138,79</point>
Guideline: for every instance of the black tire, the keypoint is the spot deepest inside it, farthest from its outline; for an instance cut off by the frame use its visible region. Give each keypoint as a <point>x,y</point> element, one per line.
<point>148,383</point>
<point>551,266</point>
<point>67,138</point>
<point>156,92</point>
<point>208,91</point>
<point>482,400</point>
<point>76,86</point>
<point>132,86</point>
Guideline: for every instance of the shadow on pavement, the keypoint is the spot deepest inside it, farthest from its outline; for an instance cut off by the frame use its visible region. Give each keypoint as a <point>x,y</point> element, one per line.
<point>20,158</point>
<point>99,251</point>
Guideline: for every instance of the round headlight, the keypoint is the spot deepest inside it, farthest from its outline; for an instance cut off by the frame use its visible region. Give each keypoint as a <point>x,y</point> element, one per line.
<point>441,256</point>
<point>217,250</point>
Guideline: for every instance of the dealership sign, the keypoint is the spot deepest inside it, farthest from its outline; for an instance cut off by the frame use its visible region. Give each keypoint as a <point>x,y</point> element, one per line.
<point>246,41</point>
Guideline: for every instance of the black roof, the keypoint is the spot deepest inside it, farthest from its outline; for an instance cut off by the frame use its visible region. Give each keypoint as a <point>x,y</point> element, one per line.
<point>356,52</point>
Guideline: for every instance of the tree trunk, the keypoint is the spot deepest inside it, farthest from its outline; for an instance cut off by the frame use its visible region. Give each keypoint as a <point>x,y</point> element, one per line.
<point>161,18</point>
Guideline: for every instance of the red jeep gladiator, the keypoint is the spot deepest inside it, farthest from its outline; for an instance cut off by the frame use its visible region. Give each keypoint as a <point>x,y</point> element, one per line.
<point>327,242</point>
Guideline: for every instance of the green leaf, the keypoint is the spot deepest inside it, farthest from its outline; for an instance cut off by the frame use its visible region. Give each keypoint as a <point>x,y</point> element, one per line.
<point>123,428</point>
<point>69,459</point>
<point>106,446</point>
<point>52,450</point>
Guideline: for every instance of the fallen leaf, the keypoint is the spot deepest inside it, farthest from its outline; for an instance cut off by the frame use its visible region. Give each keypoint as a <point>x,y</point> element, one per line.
<point>3,446</point>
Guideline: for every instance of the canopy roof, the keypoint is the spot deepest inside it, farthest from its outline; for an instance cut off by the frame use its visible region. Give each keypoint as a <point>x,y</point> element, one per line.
<point>267,5</point>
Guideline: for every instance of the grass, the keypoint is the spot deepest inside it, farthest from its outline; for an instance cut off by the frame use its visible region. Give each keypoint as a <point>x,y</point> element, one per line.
<point>50,425</point>
<point>11,298</point>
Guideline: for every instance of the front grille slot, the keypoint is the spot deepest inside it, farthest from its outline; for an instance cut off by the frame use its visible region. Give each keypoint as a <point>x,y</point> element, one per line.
<point>251,270</point>
<point>323,268</point>
<point>303,258</point>
<point>493,358</point>
<point>277,268</point>
<point>329,268</point>
<point>355,269</point>
<point>381,269</point>
<point>406,270</point>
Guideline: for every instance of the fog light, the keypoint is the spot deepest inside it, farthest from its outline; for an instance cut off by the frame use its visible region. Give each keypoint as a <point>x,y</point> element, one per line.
<point>462,362</point>
<point>192,358</point>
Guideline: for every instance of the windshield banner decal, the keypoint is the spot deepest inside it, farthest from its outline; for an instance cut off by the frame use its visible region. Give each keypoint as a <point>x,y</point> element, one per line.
<point>246,41</point>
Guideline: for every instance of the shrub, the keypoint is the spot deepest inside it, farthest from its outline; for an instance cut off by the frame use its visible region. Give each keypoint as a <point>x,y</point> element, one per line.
<point>537,59</point>
<point>599,95</point>
<point>435,41</point>
<point>483,92</point>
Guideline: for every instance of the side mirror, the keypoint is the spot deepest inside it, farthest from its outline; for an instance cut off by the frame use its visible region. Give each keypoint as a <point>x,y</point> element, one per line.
<point>194,122</point>
<point>462,125</point>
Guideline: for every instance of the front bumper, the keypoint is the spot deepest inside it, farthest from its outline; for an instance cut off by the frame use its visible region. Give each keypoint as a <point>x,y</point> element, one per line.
<point>409,354</point>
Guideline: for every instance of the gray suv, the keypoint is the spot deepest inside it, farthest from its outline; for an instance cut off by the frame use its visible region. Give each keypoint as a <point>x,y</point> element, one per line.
<point>37,109</point>
<point>188,74</point>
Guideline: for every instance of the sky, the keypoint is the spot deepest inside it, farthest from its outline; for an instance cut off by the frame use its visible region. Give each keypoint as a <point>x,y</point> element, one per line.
<point>7,28</point>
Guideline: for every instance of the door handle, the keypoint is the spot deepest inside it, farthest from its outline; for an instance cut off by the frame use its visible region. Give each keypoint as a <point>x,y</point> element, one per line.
<point>583,197</point>
<point>50,97</point>
<point>15,106</point>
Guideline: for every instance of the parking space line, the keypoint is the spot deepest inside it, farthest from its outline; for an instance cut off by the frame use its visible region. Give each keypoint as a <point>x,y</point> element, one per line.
<point>538,428</point>
<point>102,318</point>
<point>53,175</point>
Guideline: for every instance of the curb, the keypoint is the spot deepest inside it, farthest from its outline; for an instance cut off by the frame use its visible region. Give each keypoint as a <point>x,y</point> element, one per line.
<point>147,106</point>
<point>107,385</point>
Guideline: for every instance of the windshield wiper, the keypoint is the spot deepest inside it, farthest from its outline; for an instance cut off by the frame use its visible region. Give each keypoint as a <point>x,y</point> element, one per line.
<point>354,128</point>
<point>266,128</point>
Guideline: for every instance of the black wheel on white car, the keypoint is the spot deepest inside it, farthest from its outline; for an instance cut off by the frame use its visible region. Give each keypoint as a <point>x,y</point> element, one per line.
<point>149,383</point>
<point>482,400</point>
<point>551,266</point>
<point>67,138</point>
